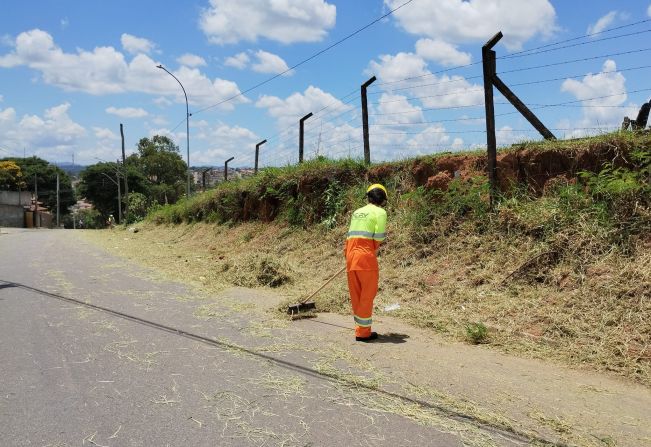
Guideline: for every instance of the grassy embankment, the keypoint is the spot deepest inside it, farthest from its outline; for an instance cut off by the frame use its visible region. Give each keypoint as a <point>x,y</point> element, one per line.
<point>559,268</point>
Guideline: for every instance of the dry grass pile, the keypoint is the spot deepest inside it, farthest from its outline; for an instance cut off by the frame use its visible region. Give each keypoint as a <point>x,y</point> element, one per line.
<point>255,270</point>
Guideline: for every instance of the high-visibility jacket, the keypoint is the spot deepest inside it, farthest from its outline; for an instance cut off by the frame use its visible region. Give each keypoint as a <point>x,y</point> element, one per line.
<point>367,230</point>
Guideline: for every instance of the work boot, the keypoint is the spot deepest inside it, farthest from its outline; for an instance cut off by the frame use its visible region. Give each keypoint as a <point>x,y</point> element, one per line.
<point>371,337</point>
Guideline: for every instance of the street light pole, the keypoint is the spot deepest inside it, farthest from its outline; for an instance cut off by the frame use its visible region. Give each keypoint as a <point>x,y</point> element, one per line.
<point>117,174</point>
<point>187,122</point>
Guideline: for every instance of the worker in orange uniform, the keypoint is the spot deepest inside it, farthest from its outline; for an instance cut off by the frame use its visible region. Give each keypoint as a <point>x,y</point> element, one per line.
<point>366,233</point>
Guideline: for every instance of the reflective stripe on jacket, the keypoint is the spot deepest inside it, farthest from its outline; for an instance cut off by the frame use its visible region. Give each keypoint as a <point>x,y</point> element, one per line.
<point>367,230</point>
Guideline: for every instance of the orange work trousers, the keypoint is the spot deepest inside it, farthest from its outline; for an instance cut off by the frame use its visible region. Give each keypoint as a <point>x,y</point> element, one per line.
<point>362,285</point>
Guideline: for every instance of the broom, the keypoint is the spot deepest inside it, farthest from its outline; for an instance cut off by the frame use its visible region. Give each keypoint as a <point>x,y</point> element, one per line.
<point>306,305</point>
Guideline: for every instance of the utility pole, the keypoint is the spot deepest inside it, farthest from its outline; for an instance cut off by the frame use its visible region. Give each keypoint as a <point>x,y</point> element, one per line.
<point>117,173</point>
<point>226,169</point>
<point>126,177</point>
<point>257,152</point>
<point>58,200</point>
<point>367,146</point>
<point>300,136</point>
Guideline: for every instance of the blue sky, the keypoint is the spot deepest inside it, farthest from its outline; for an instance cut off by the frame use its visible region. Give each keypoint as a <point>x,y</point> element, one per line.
<point>71,72</point>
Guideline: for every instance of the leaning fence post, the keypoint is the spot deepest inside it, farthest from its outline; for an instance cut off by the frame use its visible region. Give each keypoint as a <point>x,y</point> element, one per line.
<point>226,169</point>
<point>488,63</point>
<point>300,136</point>
<point>257,152</point>
<point>367,146</point>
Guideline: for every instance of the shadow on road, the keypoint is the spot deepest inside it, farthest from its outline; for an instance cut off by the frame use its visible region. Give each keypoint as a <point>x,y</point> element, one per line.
<point>392,337</point>
<point>505,431</point>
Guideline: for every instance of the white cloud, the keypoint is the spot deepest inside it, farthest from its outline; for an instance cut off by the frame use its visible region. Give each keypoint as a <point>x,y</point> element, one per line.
<point>136,45</point>
<point>395,110</point>
<point>191,60</point>
<point>160,121</point>
<point>286,21</point>
<point>464,21</point>
<point>442,52</point>
<point>648,11</point>
<point>234,141</point>
<point>607,111</point>
<point>105,70</point>
<point>396,68</point>
<point>265,62</point>
<point>603,23</point>
<point>127,112</point>
<point>326,133</point>
<point>93,72</point>
<point>239,61</point>
<point>270,63</point>
<point>506,136</point>
<point>102,133</point>
<point>433,90</point>
<point>162,101</point>
<point>288,111</point>
<point>64,23</point>
<point>47,135</point>
<point>432,139</point>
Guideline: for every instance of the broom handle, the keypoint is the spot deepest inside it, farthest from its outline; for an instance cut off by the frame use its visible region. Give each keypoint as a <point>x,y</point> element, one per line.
<point>326,283</point>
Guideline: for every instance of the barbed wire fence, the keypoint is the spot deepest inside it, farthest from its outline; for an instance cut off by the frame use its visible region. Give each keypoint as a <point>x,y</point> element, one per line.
<point>438,111</point>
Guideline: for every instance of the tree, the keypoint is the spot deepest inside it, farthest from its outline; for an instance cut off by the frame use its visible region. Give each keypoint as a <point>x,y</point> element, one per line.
<point>138,207</point>
<point>38,173</point>
<point>97,187</point>
<point>163,166</point>
<point>11,176</point>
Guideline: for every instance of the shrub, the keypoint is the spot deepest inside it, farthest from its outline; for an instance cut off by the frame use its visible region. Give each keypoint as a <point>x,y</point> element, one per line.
<point>476,333</point>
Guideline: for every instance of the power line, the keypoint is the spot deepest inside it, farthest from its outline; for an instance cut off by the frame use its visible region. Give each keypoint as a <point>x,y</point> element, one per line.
<point>513,85</point>
<point>512,55</point>
<point>445,70</point>
<point>429,85</point>
<point>553,64</point>
<point>318,53</point>
<point>542,81</point>
<point>579,37</point>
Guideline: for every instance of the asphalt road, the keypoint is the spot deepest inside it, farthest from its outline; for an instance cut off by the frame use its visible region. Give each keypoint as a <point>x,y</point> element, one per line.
<point>97,351</point>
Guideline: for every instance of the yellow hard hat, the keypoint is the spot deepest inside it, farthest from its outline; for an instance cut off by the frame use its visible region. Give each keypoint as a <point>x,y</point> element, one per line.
<point>378,186</point>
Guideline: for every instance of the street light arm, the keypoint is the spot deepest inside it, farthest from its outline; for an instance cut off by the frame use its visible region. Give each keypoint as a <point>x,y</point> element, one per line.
<point>182,88</point>
<point>117,169</point>
<point>110,178</point>
<point>187,123</point>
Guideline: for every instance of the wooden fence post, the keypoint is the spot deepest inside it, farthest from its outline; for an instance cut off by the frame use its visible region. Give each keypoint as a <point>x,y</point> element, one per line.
<point>257,152</point>
<point>300,136</point>
<point>367,146</point>
<point>488,63</point>
<point>226,169</point>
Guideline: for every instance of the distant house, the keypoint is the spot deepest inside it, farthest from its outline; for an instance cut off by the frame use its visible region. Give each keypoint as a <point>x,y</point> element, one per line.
<point>21,209</point>
<point>212,176</point>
